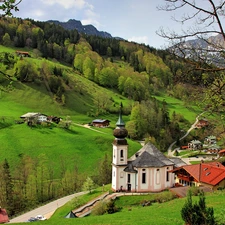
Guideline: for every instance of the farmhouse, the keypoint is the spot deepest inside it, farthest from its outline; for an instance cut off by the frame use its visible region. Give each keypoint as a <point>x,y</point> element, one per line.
<point>210,140</point>
<point>202,123</point>
<point>21,53</point>
<point>100,123</point>
<point>34,116</point>
<point>210,175</point>
<point>195,145</point>
<point>148,170</point>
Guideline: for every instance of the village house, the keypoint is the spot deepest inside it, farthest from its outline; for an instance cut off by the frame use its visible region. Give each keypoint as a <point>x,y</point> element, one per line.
<point>202,123</point>
<point>34,117</point>
<point>148,170</point>
<point>22,53</point>
<point>211,175</point>
<point>100,123</point>
<point>222,153</point>
<point>210,140</point>
<point>195,145</point>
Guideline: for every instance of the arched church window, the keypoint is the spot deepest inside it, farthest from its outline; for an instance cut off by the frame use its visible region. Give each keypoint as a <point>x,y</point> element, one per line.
<point>121,155</point>
<point>157,176</point>
<point>143,176</point>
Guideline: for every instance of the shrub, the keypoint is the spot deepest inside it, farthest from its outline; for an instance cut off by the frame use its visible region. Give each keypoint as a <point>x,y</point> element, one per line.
<point>99,209</point>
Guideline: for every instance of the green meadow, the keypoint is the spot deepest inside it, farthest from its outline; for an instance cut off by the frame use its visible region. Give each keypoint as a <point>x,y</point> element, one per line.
<point>133,213</point>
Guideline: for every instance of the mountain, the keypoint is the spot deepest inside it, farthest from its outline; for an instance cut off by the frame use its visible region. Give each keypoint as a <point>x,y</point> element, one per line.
<point>87,29</point>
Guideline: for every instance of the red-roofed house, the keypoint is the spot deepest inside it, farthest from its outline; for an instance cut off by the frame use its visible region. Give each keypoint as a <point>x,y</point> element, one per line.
<point>3,216</point>
<point>211,175</point>
<point>202,123</point>
<point>222,153</point>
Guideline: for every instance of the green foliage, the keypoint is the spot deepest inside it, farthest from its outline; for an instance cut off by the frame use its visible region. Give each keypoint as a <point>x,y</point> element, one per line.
<point>88,185</point>
<point>26,71</point>
<point>8,6</point>
<point>100,208</point>
<point>197,213</point>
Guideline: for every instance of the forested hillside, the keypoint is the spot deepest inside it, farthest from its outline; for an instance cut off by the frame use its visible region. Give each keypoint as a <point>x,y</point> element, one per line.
<point>48,69</point>
<point>135,71</point>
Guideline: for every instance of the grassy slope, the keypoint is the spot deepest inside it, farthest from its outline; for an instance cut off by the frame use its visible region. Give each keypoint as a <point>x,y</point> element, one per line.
<point>167,213</point>
<point>78,143</point>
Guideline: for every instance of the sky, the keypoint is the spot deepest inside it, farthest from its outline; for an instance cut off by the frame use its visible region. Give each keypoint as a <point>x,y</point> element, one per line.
<point>133,20</point>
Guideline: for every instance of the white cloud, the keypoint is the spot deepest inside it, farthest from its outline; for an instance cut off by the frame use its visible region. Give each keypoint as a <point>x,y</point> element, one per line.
<point>140,39</point>
<point>91,18</point>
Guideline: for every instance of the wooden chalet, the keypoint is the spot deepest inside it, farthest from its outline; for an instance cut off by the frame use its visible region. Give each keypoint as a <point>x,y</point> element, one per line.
<point>195,145</point>
<point>22,53</point>
<point>100,123</point>
<point>202,123</point>
<point>211,175</point>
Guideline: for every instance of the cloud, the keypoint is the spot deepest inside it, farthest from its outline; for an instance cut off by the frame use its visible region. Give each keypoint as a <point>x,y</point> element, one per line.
<point>140,39</point>
<point>91,18</point>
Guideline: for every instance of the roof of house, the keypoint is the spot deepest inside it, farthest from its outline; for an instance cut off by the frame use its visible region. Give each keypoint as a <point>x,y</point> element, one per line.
<point>30,114</point>
<point>99,121</point>
<point>149,156</point>
<point>195,142</point>
<point>211,173</point>
<point>222,151</point>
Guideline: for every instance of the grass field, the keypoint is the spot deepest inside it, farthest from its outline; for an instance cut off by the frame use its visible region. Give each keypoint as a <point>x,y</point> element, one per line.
<point>133,213</point>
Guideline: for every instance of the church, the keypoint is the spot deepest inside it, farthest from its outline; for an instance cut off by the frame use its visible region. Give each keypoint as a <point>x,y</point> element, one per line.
<point>148,170</point>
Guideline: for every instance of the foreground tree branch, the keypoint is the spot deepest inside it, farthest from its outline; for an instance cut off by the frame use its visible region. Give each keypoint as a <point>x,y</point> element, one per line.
<point>203,44</point>
<point>7,6</point>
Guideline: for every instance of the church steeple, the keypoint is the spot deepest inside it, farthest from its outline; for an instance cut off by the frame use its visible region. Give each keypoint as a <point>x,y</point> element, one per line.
<point>120,122</point>
<point>120,153</point>
<point>120,132</point>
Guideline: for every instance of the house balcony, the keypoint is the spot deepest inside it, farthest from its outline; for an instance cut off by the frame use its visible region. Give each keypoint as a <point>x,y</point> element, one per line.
<point>185,177</point>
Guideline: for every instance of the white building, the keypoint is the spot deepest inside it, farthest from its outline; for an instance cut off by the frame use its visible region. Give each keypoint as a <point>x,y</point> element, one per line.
<point>146,171</point>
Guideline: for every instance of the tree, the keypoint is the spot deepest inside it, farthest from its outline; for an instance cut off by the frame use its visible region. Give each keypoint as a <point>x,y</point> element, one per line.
<point>206,52</point>
<point>207,19</point>
<point>8,6</point>
<point>88,185</point>
<point>7,187</point>
<point>197,213</point>
<point>6,39</point>
<point>105,172</point>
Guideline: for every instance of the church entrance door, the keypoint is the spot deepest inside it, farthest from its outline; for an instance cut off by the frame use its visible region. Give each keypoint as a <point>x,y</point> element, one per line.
<point>128,187</point>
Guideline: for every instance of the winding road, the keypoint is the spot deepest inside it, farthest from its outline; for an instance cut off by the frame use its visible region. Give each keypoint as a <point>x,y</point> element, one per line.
<point>46,210</point>
<point>170,154</point>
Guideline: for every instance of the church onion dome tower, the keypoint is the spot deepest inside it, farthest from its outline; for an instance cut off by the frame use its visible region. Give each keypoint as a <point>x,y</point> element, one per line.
<point>120,133</point>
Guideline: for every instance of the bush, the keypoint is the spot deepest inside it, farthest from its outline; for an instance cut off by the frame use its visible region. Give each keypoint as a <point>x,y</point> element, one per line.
<point>99,209</point>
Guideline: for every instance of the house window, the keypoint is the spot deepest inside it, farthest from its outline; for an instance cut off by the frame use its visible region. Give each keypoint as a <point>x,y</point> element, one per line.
<point>121,174</point>
<point>143,176</point>
<point>128,178</point>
